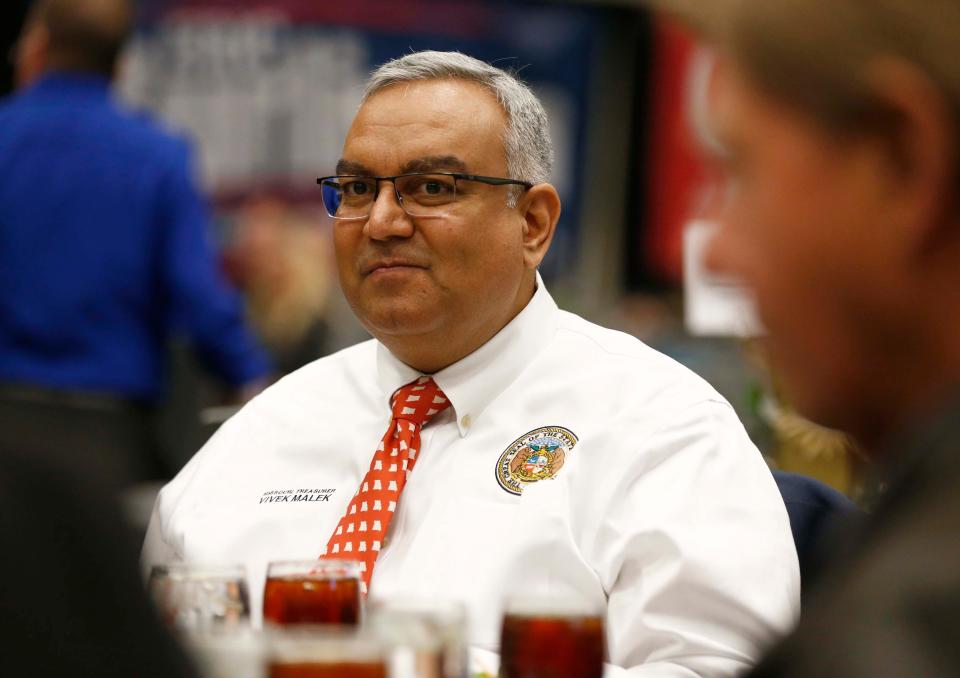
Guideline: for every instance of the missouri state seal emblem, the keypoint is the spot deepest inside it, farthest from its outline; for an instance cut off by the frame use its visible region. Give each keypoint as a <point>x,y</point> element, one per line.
<point>536,455</point>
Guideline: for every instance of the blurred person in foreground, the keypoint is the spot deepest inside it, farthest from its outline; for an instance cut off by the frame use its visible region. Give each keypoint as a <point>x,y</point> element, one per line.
<point>549,456</point>
<point>71,602</point>
<point>103,253</point>
<point>840,124</point>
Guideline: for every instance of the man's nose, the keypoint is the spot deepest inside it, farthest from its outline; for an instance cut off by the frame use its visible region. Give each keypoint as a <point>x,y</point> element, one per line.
<point>387,217</point>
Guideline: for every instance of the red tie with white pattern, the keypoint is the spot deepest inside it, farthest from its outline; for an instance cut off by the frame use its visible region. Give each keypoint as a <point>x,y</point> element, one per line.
<point>360,533</point>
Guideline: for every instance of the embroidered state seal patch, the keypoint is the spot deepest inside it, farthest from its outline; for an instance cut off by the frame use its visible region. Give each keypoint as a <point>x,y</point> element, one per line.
<point>536,455</point>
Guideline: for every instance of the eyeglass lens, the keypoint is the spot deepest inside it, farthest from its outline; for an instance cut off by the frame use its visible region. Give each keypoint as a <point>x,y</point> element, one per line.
<point>419,194</point>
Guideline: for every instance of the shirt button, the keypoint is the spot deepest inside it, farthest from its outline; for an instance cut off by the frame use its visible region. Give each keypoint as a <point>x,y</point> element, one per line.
<point>465,421</point>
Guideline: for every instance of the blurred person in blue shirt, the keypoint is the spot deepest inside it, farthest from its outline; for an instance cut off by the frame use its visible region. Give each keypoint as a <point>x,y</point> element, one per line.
<point>104,251</point>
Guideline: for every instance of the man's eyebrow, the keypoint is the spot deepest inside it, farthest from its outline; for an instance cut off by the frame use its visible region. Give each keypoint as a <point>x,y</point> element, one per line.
<point>434,163</point>
<point>348,168</point>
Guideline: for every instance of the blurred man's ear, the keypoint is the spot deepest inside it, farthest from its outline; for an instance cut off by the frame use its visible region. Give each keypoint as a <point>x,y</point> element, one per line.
<point>922,141</point>
<point>540,207</point>
<point>30,59</point>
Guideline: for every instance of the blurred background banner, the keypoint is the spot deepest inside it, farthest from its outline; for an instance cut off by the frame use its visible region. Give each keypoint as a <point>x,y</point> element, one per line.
<point>269,88</point>
<point>676,172</point>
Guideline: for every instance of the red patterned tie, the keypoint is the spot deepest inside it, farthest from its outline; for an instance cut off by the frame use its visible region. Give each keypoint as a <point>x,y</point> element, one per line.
<point>359,534</point>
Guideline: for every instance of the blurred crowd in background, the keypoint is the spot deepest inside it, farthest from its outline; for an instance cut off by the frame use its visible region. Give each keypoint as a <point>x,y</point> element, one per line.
<point>265,90</point>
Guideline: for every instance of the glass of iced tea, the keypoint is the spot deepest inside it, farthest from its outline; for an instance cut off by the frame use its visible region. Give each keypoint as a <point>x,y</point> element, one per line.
<point>199,597</point>
<point>426,638</point>
<point>312,592</point>
<point>307,651</point>
<point>551,638</point>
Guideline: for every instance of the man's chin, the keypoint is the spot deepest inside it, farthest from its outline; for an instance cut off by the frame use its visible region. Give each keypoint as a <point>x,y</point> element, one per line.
<point>398,323</point>
<point>822,403</point>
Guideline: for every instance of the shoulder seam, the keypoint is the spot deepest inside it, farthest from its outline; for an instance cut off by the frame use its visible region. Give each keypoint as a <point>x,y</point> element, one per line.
<point>605,349</point>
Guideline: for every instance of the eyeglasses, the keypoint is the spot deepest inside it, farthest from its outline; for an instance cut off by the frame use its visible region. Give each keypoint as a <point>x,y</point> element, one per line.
<point>419,194</point>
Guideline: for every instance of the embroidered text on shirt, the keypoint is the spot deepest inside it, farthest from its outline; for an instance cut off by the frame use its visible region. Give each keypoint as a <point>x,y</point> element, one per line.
<point>295,496</point>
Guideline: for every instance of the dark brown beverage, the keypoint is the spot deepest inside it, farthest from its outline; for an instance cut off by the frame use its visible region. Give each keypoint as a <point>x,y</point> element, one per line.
<point>305,600</point>
<point>551,647</point>
<point>335,670</point>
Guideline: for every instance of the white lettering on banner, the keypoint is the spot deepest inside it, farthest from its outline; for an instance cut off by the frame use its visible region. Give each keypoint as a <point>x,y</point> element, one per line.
<point>266,98</point>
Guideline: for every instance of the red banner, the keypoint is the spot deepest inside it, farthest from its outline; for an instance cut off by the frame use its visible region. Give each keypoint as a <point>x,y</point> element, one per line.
<point>675,169</point>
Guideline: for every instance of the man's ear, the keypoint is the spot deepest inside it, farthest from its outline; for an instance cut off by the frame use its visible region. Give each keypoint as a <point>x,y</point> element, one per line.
<point>540,208</point>
<point>922,141</point>
<point>30,57</point>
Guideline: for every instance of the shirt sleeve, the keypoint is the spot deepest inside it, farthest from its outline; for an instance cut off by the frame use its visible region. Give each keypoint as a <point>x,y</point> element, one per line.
<point>201,302</point>
<point>162,544</point>
<point>157,550</point>
<point>695,552</point>
<point>171,529</point>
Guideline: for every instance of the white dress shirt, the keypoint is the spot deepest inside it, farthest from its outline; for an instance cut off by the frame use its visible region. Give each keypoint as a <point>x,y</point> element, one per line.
<point>663,512</point>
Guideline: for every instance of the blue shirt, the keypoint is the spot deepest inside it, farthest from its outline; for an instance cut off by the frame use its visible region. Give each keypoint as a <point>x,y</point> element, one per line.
<point>104,249</point>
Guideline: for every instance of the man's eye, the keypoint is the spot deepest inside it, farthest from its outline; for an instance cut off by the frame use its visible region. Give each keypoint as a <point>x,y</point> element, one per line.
<point>355,188</point>
<point>432,187</point>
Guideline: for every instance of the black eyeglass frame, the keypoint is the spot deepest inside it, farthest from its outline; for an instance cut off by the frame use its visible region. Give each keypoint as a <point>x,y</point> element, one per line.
<point>457,176</point>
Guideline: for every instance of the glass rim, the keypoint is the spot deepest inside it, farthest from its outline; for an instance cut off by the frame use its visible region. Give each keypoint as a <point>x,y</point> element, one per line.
<point>242,631</point>
<point>550,607</point>
<point>321,567</point>
<point>190,571</point>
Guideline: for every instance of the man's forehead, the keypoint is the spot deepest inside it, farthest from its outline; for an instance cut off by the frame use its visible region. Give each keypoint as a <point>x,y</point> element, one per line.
<point>440,102</point>
<point>731,105</point>
<point>421,126</point>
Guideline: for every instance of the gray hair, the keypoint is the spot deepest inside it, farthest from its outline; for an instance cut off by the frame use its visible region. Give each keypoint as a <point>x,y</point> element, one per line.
<point>526,138</point>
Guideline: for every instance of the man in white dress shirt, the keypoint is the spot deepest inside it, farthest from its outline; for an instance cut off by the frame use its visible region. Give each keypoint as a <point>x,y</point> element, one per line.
<point>572,461</point>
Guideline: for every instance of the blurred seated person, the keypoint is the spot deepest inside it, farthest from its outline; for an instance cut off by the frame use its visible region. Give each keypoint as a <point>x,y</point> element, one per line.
<point>104,253</point>
<point>280,258</point>
<point>839,124</point>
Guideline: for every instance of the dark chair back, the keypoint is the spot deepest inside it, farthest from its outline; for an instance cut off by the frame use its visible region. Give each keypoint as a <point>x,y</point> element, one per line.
<point>814,508</point>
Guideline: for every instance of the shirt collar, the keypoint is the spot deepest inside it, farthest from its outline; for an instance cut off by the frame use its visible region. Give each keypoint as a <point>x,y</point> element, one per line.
<point>474,381</point>
<point>78,84</point>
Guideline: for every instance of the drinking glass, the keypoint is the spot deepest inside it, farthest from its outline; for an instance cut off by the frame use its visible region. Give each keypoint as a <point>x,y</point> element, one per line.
<point>551,638</point>
<point>313,592</point>
<point>197,597</point>
<point>427,638</point>
<point>308,651</point>
<point>231,652</point>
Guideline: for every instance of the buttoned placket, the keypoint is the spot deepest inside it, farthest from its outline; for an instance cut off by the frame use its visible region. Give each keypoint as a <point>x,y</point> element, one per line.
<point>399,529</point>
